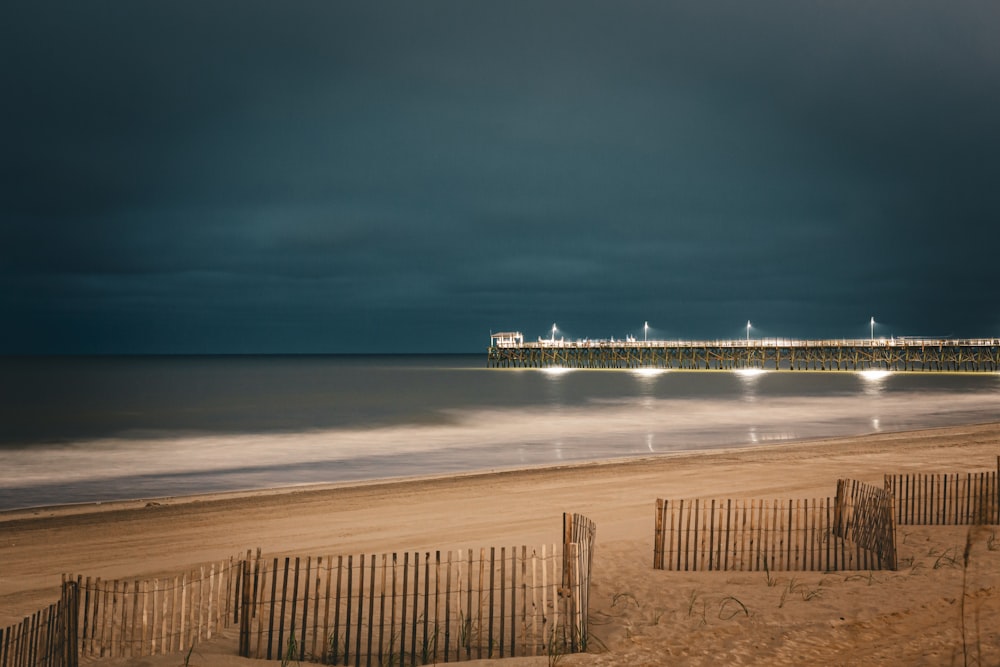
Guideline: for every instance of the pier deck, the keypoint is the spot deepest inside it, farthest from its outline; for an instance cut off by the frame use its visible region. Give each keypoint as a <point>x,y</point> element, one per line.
<point>980,355</point>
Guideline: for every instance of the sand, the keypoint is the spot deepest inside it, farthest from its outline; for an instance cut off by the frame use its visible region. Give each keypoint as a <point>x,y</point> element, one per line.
<point>639,616</point>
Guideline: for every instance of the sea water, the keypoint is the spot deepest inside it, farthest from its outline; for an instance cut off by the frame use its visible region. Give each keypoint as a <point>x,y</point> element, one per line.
<point>88,429</point>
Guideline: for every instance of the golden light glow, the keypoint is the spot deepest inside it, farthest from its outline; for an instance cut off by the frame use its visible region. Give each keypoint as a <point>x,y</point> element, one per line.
<point>874,374</point>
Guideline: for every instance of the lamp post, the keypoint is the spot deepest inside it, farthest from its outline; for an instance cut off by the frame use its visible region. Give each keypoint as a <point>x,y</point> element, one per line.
<point>645,332</point>
<point>553,332</point>
<point>748,331</point>
<point>873,329</point>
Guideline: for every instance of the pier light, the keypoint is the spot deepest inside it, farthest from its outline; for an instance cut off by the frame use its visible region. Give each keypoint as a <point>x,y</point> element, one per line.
<point>645,332</point>
<point>553,332</point>
<point>748,331</point>
<point>873,329</point>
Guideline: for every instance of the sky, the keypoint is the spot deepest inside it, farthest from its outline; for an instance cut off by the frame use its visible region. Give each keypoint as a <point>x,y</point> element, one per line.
<point>377,177</point>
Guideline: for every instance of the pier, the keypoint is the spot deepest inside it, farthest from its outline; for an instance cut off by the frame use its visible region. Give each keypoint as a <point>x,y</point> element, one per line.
<point>980,355</point>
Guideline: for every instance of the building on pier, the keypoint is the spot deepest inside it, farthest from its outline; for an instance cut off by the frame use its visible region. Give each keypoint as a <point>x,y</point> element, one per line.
<point>506,339</point>
<point>508,350</point>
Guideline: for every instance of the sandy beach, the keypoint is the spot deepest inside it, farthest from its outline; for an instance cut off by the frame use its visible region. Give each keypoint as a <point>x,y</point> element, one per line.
<point>639,616</point>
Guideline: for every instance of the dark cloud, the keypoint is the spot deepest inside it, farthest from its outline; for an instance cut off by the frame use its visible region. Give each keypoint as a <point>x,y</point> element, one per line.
<point>241,177</point>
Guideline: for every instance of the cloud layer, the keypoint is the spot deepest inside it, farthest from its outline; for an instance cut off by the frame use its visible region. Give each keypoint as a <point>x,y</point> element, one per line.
<point>254,177</point>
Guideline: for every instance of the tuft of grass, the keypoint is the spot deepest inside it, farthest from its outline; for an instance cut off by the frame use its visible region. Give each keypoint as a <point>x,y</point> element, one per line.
<point>804,592</point>
<point>428,650</point>
<point>556,649</point>
<point>465,631</point>
<point>811,594</point>
<point>771,581</point>
<point>948,559</point>
<point>870,577</point>
<point>626,597</point>
<point>333,649</point>
<point>391,658</point>
<point>589,640</point>
<point>730,607</point>
<point>291,651</point>
<point>692,601</point>
<point>909,563</point>
<point>789,588</point>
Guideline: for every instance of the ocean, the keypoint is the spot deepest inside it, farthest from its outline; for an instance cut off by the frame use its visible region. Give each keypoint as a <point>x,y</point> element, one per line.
<point>93,429</point>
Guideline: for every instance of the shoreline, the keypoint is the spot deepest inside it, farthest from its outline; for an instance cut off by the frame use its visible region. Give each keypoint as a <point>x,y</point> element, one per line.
<point>96,507</point>
<point>907,616</point>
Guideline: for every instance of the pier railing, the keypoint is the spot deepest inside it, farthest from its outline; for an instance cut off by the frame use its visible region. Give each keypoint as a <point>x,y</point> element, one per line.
<point>754,342</point>
<point>894,354</point>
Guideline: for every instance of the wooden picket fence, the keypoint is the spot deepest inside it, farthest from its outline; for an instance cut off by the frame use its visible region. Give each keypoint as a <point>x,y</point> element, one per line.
<point>47,638</point>
<point>420,607</point>
<point>579,539</point>
<point>946,499</point>
<point>755,535</point>
<point>864,516</point>
<point>410,608</point>
<point>127,618</point>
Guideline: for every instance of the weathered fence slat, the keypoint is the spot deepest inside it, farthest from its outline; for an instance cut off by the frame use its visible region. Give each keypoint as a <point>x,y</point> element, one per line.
<point>496,614</point>
<point>48,636</point>
<point>137,617</point>
<point>946,498</point>
<point>753,534</point>
<point>438,608</point>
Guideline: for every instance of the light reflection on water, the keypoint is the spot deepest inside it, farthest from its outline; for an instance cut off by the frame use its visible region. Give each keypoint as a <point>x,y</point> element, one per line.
<point>451,420</point>
<point>646,379</point>
<point>554,386</point>
<point>749,381</point>
<point>646,373</point>
<point>874,382</point>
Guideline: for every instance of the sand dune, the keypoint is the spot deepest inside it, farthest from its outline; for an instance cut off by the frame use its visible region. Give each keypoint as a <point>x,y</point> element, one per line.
<point>639,616</point>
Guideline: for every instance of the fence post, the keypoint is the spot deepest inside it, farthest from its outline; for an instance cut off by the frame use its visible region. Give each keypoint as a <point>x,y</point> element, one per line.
<point>70,623</point>
<point>838,509</point>
<point>658,536</point>
<point>894,559</point>
<point>567,538</point>
<point>244,608</point>
<point>573,616</point>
